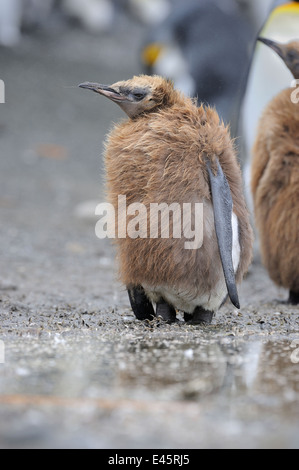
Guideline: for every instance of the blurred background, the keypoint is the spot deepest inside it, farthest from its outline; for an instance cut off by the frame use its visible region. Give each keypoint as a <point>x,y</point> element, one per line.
<point>51,132</point>
<point>203,45</point>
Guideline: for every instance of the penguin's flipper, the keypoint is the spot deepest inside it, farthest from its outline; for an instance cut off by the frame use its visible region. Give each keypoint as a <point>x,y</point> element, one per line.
<point>223,209</point>
<point>140,304</point>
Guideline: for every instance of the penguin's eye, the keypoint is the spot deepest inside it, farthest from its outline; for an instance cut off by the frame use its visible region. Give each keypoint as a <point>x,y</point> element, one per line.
<point>292,55</point>
<point>138,96</point>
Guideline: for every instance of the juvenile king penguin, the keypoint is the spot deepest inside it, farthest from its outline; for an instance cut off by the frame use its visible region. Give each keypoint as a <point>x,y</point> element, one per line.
<point>266,78</point>
<point>275,178</point>
<point>171,151</point>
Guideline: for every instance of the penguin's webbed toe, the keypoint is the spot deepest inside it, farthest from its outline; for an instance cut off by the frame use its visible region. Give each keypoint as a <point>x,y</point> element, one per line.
<point>166,312</point>
<point>141,305</point>
<point>199,316</point>
<point>293,298</point>
<point>188,317</point>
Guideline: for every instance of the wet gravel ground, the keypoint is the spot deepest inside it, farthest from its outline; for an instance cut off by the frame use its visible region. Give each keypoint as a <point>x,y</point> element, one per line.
<point>78,369</point>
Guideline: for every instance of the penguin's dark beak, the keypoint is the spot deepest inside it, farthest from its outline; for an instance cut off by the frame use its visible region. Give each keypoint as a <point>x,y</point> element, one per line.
<point>277,47</point>
<point>289,53</point>
<point>104,90</point>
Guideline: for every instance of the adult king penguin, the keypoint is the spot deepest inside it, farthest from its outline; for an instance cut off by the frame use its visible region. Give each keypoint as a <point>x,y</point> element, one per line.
<point>171,151</point>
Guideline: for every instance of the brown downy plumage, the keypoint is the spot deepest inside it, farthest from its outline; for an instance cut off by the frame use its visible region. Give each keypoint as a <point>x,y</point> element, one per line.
<point>171,151</point>
<point>275,180</point>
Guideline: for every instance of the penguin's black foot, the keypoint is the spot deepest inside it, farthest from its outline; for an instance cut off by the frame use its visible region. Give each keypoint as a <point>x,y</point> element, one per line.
<point>141,305</point>
<point>188,316</point>
<point>293,298</point>
<point>166,312</point>
<point>199,316</point>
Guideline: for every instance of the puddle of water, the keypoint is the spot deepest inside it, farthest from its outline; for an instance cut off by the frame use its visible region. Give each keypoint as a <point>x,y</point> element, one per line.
<point>244,368</point>
<point>175,368</point>
<point>239,388</point>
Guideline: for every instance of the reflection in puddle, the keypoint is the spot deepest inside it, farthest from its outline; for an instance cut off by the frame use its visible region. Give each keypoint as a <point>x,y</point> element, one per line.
<point>224,390</point>
<point>242,365</point>
<point>257,369</point>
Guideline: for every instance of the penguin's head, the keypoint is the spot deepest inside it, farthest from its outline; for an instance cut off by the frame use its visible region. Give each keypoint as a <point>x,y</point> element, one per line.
<point>288,52</point>
<point>138,95</point>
